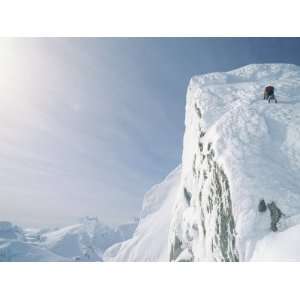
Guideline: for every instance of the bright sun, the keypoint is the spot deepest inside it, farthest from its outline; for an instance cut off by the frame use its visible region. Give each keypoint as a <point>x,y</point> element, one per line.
<point>13,77</point>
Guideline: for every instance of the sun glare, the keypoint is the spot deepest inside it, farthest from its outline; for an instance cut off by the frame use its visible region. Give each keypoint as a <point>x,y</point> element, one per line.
<point>14,79</point>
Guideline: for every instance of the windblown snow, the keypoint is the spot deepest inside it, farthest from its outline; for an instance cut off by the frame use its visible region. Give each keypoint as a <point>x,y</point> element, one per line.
<point>237,196</point>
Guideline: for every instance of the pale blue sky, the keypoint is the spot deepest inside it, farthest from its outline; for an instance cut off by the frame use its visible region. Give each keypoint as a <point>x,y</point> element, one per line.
<point>89,125</point>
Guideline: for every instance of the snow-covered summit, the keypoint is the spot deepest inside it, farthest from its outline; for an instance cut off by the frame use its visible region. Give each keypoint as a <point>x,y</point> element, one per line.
<point>239,151</point>
<point>237,196</point>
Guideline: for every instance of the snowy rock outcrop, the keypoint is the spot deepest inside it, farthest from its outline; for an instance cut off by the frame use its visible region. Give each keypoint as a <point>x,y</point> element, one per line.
<point>239,194</point>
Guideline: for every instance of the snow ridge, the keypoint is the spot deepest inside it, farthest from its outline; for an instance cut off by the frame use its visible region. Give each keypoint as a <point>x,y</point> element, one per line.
<point>238,150</point>
<point>236,195</point>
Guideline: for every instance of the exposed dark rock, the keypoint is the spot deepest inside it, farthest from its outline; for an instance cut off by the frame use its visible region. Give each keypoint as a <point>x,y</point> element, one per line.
<point>262,207</point>
<point>275,214</point>
<point>195,227</point>
<point>215,208</point>
<point>203,227</point>
<point>209,146</point>
<point>187,259</point>
<point>224,240</point>
<point>187,196</point>
<point>194,165</point>
<point>198,111</point>
<point>200,146</point>
<point>210,155</point>
<point>200,197</point>
<point>188,236</point>
<point>176,249</point>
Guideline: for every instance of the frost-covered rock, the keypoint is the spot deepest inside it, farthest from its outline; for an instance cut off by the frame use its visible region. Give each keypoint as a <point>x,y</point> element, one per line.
<point>238,150</point>
<point>237,197</point>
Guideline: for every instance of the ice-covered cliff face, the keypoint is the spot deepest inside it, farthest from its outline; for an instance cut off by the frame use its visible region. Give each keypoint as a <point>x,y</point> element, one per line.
<point>239,195</point>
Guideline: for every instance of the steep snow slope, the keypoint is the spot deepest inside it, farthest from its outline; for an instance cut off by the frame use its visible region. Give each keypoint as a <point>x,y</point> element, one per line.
<point>240,153</point>
<point>150,240</point>
<point>283,246</point>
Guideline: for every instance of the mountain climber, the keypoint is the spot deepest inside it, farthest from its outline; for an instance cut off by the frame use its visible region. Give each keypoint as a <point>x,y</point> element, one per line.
<point>269,94</point>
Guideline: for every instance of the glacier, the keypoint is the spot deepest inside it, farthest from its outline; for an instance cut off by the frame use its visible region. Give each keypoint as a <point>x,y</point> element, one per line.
<point>236,195</point>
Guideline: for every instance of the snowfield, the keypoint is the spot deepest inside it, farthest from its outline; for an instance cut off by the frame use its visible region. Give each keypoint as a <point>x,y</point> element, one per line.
<point>238,195</point>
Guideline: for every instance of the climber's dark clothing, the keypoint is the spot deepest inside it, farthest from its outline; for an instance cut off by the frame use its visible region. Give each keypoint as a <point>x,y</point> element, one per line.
<point>269,91</point>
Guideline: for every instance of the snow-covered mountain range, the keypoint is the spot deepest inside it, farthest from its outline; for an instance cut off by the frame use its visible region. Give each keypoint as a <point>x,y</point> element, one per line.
<point>85,241</point>
<point>236,196</point>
